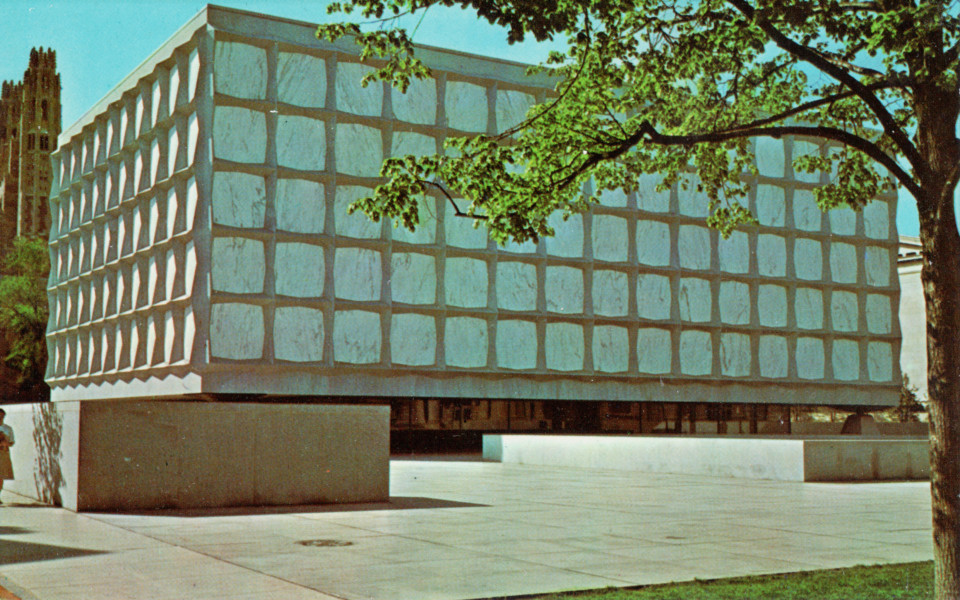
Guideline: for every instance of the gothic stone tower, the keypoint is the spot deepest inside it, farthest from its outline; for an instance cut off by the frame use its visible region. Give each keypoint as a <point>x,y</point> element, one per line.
<point>29,126</point>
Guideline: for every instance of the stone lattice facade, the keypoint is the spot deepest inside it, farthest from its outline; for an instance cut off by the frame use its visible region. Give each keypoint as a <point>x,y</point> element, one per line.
<point>201,245</point>
<point>29,126</point>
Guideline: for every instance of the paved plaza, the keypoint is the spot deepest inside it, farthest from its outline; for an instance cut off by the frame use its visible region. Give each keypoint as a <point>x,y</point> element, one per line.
<point>467,529</point>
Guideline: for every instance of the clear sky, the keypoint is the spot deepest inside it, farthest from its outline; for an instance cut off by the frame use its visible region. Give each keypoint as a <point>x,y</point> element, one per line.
<point>99,42</point>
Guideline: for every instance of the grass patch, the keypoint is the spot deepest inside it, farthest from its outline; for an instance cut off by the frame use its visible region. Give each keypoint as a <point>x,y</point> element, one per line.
<point>908,581</point>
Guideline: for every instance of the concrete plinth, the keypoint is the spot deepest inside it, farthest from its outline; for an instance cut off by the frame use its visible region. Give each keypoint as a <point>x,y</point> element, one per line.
<point>112,455</point>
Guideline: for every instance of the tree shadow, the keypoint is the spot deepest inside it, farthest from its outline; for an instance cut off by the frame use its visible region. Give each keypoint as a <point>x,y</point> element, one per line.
<point>47,435</point>
<point>395,503</point>
<point>22,552</point>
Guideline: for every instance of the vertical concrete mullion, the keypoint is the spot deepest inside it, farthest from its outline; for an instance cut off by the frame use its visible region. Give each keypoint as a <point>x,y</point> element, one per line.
<point>329,224</point>
<point>269,222</point>
<point>203,171</point>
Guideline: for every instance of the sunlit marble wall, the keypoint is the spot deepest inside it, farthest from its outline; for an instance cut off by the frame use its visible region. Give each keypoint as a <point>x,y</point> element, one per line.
<point>201,244</point>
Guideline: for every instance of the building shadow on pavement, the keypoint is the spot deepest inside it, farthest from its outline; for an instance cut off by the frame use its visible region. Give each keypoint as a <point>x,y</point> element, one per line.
<point>13,552</point>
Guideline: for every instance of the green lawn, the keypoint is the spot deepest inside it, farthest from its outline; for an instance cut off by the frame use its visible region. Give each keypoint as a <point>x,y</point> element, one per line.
<point>907,581</point>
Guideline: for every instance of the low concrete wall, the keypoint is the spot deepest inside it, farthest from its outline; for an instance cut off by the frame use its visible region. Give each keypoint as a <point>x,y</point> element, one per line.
<point>140,455</point>
<point>760,457</point>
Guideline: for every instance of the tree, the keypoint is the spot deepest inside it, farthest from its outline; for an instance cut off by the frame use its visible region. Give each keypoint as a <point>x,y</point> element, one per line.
<point>23,312</point>
<point>669,86</point>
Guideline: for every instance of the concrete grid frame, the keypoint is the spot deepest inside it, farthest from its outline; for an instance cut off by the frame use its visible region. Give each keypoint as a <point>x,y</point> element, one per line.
<point>201,245</point>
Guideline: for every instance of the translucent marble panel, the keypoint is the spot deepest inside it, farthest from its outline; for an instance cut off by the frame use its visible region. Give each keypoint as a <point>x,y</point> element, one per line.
<point>298,270</point>
<point>696,352</point>
<point>516,344</point>
<point>465,282</point>
<point>609,238</point>
<point>692,202</point>
<point>804,148</point>
<point>301,143</point>
<point>880,361</point>
<point>770,156</point>
<point>240,70</point>
<point>653,243</point>
<point>810,358</point>
<point>301,80</point>
<point>564,290</point>
<point>844,312</point>
<point>648,198</point>
<point>413,339</point>
<point>843,221</point>
<point>878,314</point>
<point>410,143</point>
<point>239,134</point>
<point>239,199</point>
<point>653,351</point>
<point>771,205</point>
<point>772,305</point>
<point>568,236</point>
<point>694,299</point>
<point>807,259</point>
<point>876,264</point>
<point>511,108</point>
<point>465,342</point>
<point>809,308</point>
<point>843,263</point>
<point>734,253</point>
<point>611,295</point>
<point>238,265</point>
<point>806,213</point>
<point>356,337</point>
<point>564,347</point>
<point>466,106</point>
<point>358,224</point>
<point>846,360</point>
<point>611,349</point>
<point>694,247</point>
<point>772,356</point>
<point>876,220</point>
<point>413,278</point>
<point>771,255</point>
<point>354,98</point>
<point>612,198</point>
<point>734,302</point>
<point>298,334</point>
<point>358,150</point>
<point>460,231</point>
<point>236,331</point>
<point>653,296</point>
<point>426,230</point>
<point>357,274</point>
<point>418,104</point>
<point>300,206</point>
<point>516,286</point>
<point>735,354</point>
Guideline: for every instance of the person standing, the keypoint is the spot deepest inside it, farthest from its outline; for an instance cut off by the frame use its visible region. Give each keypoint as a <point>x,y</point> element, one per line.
<point>6,440</point>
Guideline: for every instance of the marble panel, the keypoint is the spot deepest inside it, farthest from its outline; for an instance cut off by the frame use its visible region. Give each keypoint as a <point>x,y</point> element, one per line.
<point>463,232</point>
<point>807,259</point>
<point>734,302</point>
<point>356,337</point>
<point>527,247</point>
<point>358,150</point>
<point>567,239</point>
<point>516,344</point>
<point>878,314</point>
<point>426,230</point>
<point>301,80</point>
<point>809,308</point>
<point>352,97</point>
<point>843,221</point>
<point>876,220</point>
<point>806,213</point>
<point>410,143</point>
<point>465,342</point>
<point>653,243</point>
<point>880,361</point>
<point>236,331</point>
<point>466,106</point>
<point>648,198</point>
<point>511,108</point>
<point>696,352</point>
<point>516,286</point>
<point>844,312</point>
<point>418,104</point>
<point>846,360</point>
<point>239,199</point>
<point>843,262</point>
<point>413,278</point>
<point>298,334</point>
<point>693,245</point>
<point>240,70</point>
<point>692,202</point>
<point>413,339</point>
<point>609,238</point>
<point>564,347</point>
<point>611,295</point>
<point>734,253</point>
<point>239,134</point>
<point>298,270</point>
<point>694,299</point>
<point>611,349</point>
<point>876,265</point>
<point>357,274</point>
<point>653,296</point>
<point>193,137</point>
<point>770,156</point>
<point>810,358</point>
<point>771,255</point>
<point>773,356</point>
<point>300,206</point>
<point>771,206</point>
<point>654,352</point>
<point>735,359</point>
<point>564,290</point>
<point>465,282</point>
<point>804,148</point>
<point>301,143</point>
<point>358,224</point>
<point>772,305</point>
<point>237,265</point>
<point>613,198</point>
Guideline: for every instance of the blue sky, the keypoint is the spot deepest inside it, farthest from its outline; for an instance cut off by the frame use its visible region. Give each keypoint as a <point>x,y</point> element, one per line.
<point>98,42</point>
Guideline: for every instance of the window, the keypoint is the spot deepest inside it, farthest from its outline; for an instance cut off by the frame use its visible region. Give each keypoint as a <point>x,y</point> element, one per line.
<point>44,142</point>
<point>43,110</point>
<point>30,142</point>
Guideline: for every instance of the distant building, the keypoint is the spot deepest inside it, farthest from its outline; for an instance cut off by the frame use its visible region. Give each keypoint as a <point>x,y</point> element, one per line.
<point>913,314</point>
<point>29,126</point>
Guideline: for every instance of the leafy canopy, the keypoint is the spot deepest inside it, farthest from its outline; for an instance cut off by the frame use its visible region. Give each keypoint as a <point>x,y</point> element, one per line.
<point>23,307</point>
<point>672,87</point>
